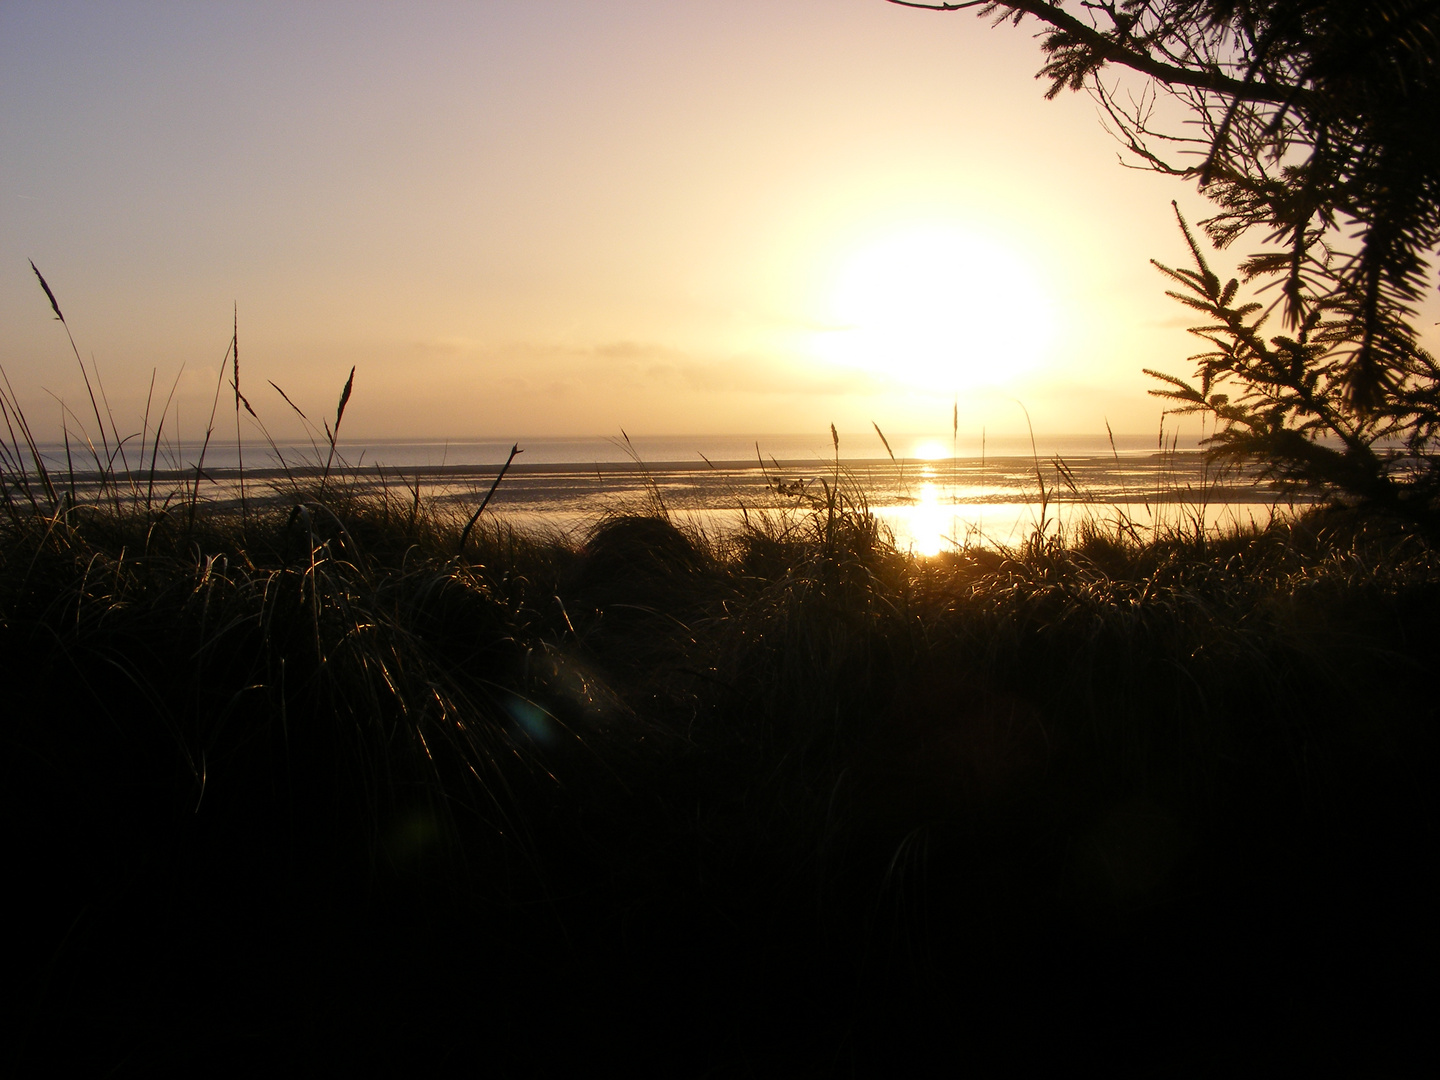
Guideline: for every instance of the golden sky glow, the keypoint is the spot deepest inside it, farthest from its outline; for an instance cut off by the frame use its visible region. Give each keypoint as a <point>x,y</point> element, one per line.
<point>531,217</point>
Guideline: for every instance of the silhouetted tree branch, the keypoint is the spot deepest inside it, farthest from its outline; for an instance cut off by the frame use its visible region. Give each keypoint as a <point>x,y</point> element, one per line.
<point>1314,122</point>
<point>1095,46</point>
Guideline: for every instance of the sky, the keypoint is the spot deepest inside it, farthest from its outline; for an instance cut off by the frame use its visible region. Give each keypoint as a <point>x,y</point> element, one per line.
<point>571,217</point>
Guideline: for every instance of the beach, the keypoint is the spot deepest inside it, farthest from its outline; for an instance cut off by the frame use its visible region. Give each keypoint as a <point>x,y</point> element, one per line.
<point>929,504</point>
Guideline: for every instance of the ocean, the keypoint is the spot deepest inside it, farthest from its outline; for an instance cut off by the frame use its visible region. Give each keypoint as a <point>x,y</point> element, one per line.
<point>935,493</point>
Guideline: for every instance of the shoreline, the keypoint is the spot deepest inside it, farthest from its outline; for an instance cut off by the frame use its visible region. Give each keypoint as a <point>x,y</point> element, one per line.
<point>1181,477</point>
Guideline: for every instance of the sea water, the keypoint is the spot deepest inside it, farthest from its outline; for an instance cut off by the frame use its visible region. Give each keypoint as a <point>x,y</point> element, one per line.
<point>933,494</point>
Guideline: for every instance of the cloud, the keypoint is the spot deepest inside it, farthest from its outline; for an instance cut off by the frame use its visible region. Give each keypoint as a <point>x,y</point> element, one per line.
<point>625,366</point>
<point>450,346</point>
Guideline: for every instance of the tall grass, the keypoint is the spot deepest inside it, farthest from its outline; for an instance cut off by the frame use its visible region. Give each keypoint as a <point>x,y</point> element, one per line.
<point>350,775</point>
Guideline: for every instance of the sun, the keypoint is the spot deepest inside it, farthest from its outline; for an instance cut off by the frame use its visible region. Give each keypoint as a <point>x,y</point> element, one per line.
<point>935,308</point>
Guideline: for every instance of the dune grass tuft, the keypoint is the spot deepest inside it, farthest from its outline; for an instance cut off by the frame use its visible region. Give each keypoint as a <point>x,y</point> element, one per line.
<point>348,775</point>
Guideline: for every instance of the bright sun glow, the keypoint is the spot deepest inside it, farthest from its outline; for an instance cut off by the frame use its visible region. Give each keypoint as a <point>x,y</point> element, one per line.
<point>936,309</point>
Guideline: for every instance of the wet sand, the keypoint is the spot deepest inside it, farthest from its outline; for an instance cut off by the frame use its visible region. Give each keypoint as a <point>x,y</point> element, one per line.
<point>927,504</point>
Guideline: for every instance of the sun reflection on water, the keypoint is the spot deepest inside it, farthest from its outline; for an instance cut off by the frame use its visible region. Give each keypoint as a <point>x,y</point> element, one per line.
<point>930,524</point>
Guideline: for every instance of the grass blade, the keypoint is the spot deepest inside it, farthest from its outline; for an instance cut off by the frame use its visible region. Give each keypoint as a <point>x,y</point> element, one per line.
<point>465,535</point>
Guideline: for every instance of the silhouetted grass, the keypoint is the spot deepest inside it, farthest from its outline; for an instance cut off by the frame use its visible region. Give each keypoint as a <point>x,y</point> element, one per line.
<point>307,786</point>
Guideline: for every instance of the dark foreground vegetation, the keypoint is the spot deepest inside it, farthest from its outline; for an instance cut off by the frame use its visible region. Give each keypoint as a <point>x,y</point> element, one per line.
<point>341,782</point>
<point>308,789</point>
